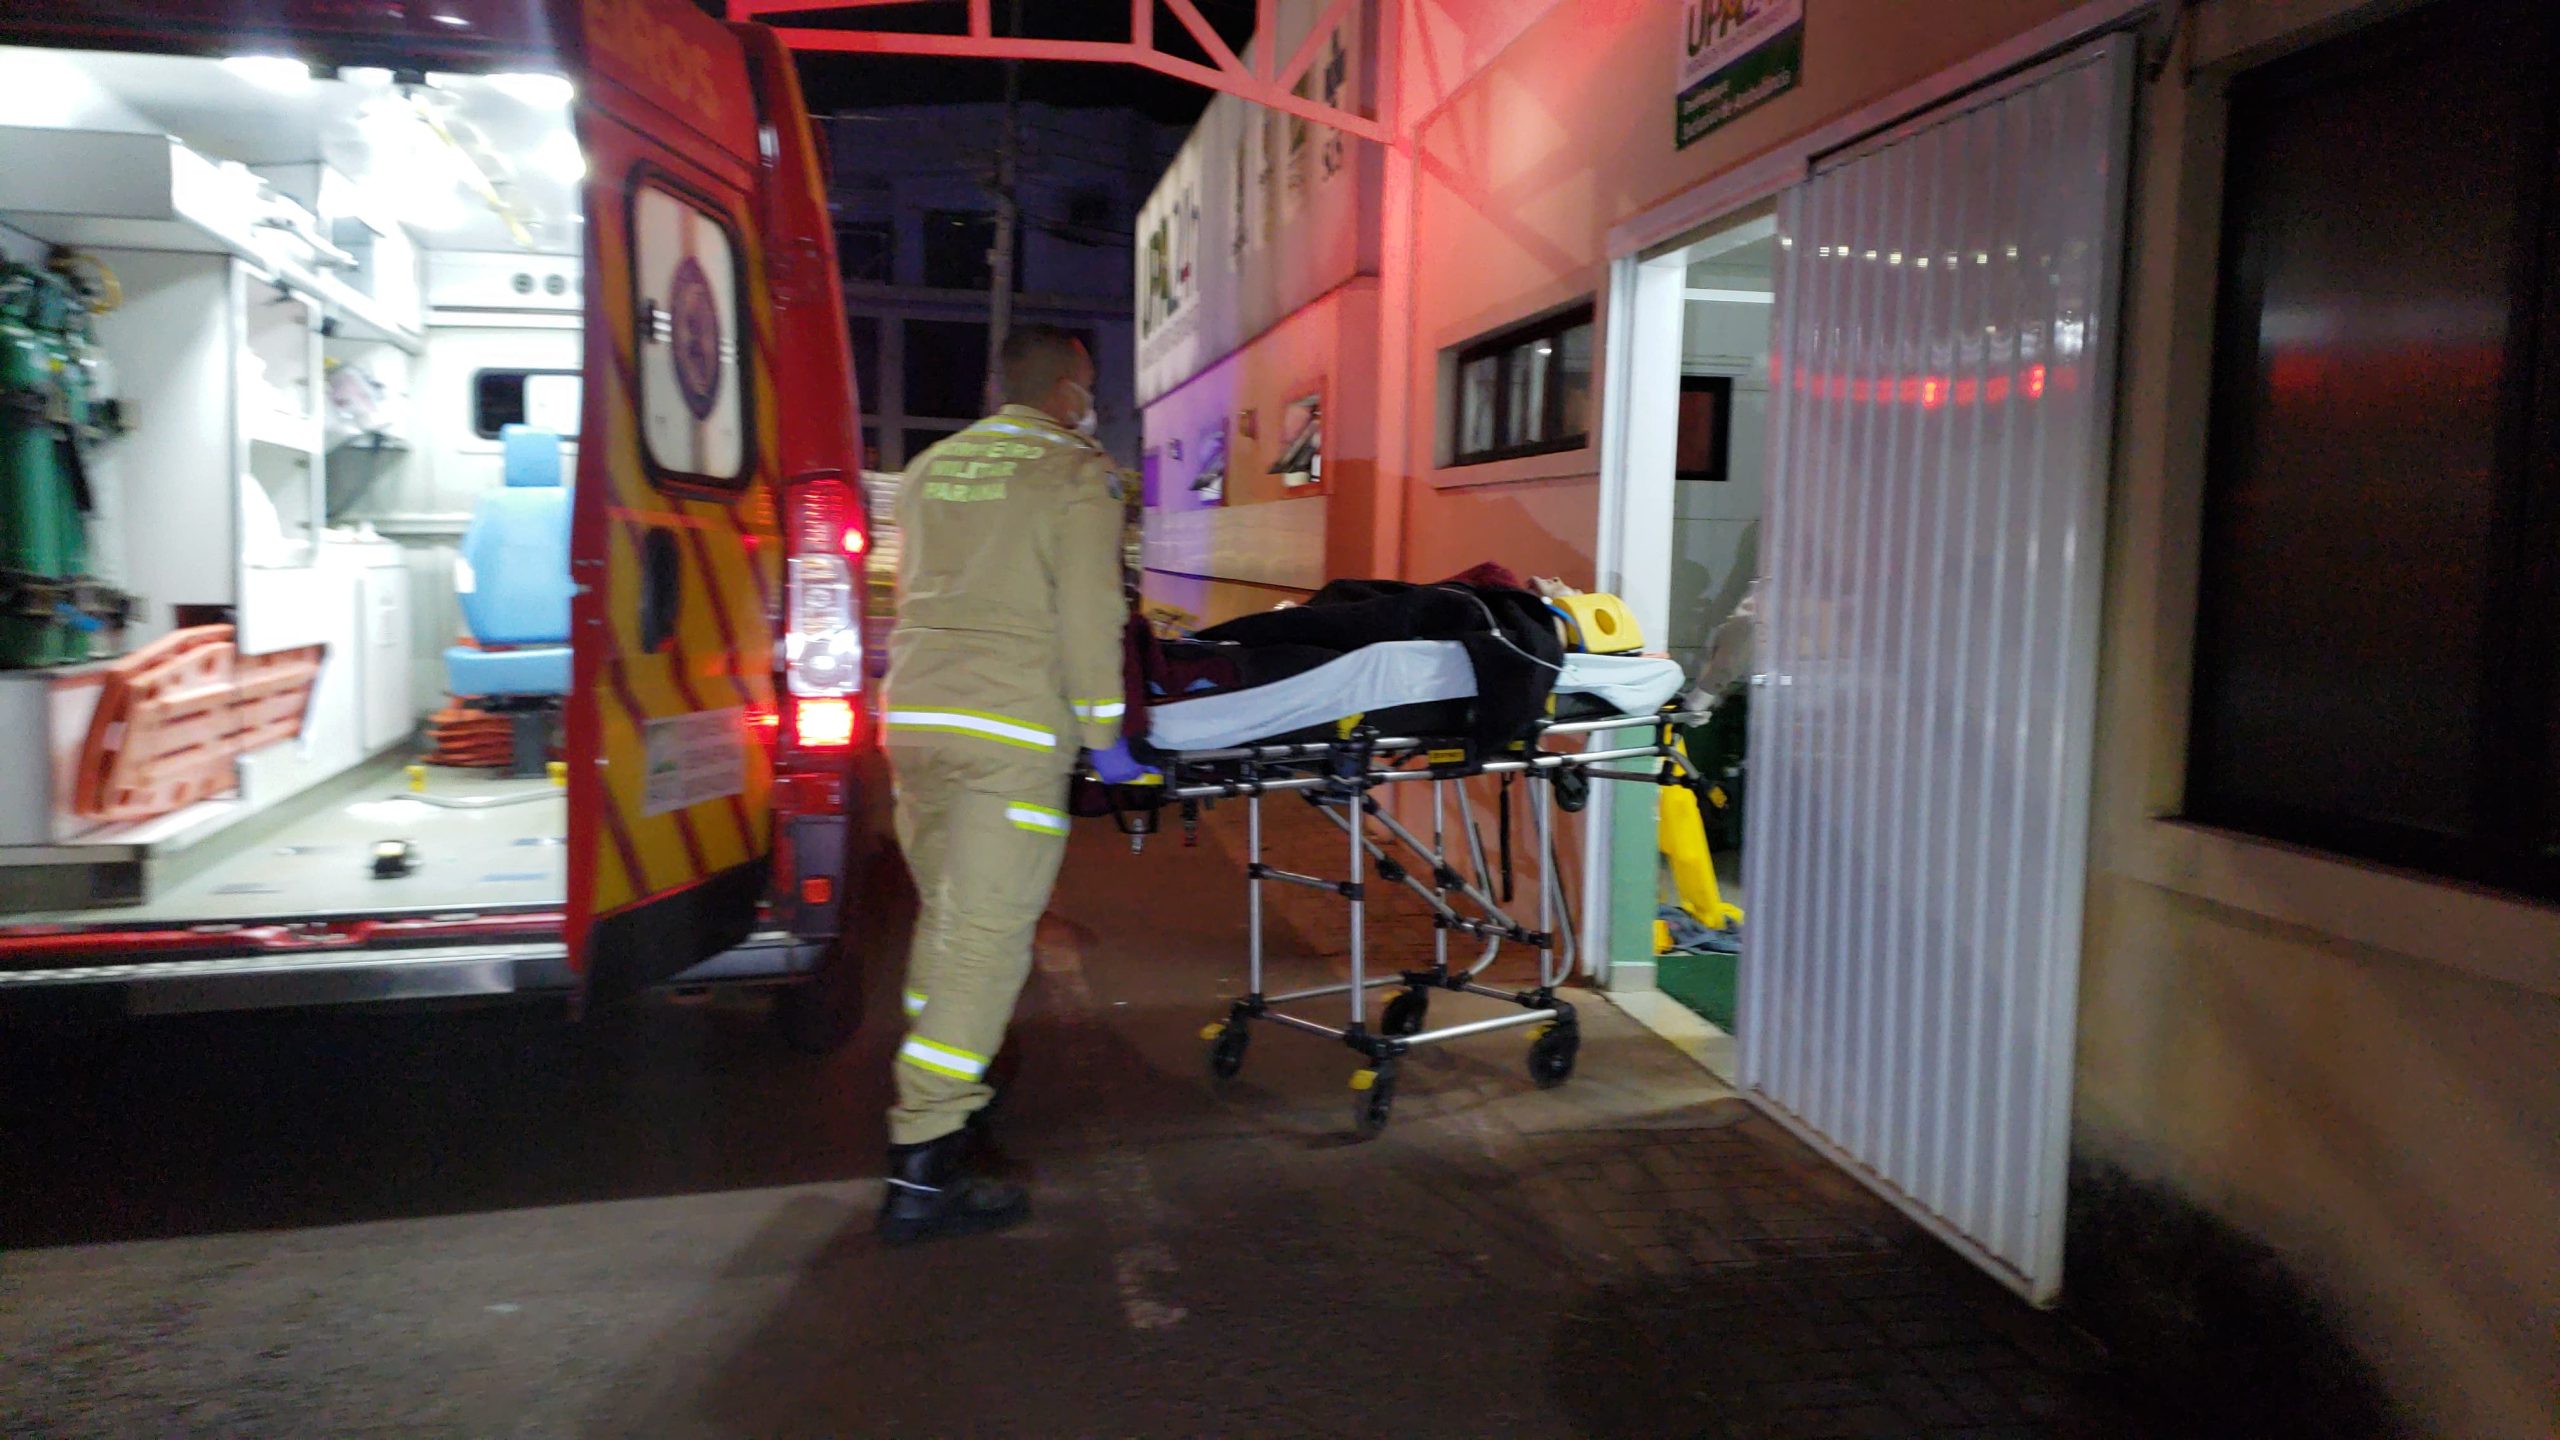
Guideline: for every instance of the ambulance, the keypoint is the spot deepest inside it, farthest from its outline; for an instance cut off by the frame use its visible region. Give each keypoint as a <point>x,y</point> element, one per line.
<point>432,548</point>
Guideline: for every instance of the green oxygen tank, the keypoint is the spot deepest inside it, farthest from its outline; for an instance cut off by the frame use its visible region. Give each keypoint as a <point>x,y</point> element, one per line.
<point>50,611</point>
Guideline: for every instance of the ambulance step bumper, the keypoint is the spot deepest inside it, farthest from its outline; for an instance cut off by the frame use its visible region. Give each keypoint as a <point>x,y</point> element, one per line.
<point>281,981</point>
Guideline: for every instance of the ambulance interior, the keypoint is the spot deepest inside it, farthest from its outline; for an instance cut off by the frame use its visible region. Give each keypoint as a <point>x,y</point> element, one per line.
<point>337,315</point>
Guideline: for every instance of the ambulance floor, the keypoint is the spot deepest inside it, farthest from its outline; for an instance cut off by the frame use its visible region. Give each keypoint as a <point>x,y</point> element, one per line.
<point>494,842</point>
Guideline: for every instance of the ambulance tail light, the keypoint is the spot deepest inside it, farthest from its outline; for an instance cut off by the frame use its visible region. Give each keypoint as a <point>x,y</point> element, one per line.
<point>821,723</point>
<point>822,635</point>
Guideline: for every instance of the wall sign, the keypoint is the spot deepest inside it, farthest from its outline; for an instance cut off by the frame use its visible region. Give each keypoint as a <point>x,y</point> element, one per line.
<point>1734,55</point>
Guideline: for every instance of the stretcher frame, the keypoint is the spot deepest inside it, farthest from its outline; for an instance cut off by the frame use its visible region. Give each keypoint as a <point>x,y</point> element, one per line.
<point>1340,777</point>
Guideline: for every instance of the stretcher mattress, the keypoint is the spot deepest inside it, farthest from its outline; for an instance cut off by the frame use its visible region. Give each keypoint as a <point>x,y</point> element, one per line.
<point>1392,678</point>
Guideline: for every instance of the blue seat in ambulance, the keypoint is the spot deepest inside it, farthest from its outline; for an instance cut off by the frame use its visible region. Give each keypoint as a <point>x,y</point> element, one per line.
<point>513,577</point>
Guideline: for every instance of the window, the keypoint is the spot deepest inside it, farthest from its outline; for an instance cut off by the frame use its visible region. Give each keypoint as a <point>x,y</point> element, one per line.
<point>958,250</point>
<point>2376,627</point>
<point>692,394</point>
<point>1704,449</point>
<point>867,251</point>
<point>1301,461</point>
<point>544,399</point>
<point>863,331</point>
<point>946,368</point>
<point>1526,391</point>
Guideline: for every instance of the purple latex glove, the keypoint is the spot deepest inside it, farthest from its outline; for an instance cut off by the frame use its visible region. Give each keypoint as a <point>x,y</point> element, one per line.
<point>1116,766</point>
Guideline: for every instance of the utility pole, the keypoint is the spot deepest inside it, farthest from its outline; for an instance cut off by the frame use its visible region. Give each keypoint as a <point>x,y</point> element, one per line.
<point>1001,259</point>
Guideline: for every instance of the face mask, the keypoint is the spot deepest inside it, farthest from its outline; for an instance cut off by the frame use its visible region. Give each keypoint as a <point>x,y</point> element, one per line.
<point>1086,425</point>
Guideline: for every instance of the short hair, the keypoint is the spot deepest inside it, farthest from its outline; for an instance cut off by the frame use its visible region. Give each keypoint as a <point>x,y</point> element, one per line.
<point>1035,358</point>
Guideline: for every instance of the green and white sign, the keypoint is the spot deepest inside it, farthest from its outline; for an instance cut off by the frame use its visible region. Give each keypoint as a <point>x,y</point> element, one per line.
<point>1734,54</point>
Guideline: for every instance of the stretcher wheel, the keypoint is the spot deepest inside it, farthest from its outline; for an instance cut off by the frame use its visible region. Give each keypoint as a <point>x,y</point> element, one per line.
<point>1551,1056</point>
<point>1373,1098</point>
<point>1405,1014</point>
<point>1226,1050</point>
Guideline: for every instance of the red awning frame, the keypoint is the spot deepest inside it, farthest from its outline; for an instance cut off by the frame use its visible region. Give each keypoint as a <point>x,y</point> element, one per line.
<point>1257,81</point>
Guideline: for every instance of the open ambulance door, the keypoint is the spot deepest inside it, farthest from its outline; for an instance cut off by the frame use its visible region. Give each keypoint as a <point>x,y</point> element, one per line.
<point>674,539</point>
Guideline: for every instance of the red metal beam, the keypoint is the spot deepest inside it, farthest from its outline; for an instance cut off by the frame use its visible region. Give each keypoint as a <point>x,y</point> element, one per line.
<point>1326,23</point>
<point>959,47</point>
<point>1231,76</point>
<point>1208,37</point>
<point>758,9</point>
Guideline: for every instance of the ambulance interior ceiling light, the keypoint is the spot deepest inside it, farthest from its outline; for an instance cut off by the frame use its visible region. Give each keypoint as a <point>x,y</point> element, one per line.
<point>280,73</point>
<point>535,88</point>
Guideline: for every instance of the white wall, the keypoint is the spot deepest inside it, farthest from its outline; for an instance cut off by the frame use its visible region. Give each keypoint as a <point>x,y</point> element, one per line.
<point>1244,229</point>
<point>1716,525</point>
<point>38,87</point>
<point>167,522</point>
<point>21,247</point>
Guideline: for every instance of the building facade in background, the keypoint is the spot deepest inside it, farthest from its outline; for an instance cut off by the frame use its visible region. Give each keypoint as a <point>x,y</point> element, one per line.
<point>2136,421</point>
<point>915,221</point>
<point>1256,282</point>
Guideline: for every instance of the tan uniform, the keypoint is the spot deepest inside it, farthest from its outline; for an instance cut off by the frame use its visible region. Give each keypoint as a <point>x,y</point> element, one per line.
<point>1006,658</point>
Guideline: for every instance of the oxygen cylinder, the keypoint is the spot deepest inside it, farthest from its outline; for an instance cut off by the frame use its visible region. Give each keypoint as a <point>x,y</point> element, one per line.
<point>44,542</point>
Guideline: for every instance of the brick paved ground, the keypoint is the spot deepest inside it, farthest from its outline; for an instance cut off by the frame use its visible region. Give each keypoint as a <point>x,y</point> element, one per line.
<point>481,1223</point>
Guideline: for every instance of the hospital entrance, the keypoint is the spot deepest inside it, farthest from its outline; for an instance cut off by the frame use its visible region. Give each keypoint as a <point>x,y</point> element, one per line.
<point>1717,482</point>
<point>1854,477</point>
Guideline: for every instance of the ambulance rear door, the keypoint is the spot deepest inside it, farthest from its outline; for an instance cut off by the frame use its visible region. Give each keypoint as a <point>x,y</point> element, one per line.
<point>675,539</point>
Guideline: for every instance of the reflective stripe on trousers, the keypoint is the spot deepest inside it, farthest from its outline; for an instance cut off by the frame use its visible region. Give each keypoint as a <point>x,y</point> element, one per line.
<point>980,723</point>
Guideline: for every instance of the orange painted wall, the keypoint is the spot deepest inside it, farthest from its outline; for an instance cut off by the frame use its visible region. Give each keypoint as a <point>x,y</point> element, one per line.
<point>1232,555</point>
<point>1522,172</point>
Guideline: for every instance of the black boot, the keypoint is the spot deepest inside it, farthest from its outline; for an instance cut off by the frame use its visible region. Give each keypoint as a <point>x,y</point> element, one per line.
<point>931,1195</point>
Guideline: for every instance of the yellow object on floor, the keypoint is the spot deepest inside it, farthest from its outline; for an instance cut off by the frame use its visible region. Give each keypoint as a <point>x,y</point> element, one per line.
<point>1682,834</point>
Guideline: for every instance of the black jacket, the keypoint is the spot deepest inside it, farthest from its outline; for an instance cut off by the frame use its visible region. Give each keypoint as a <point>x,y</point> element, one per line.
<point>1510,637</point>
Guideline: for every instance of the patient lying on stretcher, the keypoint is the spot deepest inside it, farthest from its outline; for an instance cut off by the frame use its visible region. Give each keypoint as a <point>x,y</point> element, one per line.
<point>1472,658</point>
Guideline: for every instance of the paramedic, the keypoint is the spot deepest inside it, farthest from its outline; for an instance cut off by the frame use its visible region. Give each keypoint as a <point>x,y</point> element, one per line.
<point>1005,660</point>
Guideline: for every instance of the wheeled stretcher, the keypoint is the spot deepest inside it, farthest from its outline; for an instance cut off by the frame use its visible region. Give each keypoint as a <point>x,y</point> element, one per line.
<point>1343,775</point>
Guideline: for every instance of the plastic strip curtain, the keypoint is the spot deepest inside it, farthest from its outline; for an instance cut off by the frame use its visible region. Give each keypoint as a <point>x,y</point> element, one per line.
<point>1917,850</point>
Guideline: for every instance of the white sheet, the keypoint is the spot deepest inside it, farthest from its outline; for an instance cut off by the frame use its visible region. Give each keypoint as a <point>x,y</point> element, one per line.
<point>1632,684</point>
<point>1374,677</point>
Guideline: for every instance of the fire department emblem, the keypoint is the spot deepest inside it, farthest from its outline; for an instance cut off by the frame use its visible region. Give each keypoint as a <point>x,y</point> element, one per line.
<point>697,337</point>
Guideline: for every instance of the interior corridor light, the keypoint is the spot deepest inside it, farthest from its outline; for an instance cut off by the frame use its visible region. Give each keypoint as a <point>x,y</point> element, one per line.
<point>280,73</point>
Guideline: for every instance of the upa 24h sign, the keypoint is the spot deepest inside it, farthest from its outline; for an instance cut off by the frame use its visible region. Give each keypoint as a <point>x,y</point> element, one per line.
<point>1734,54</point>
